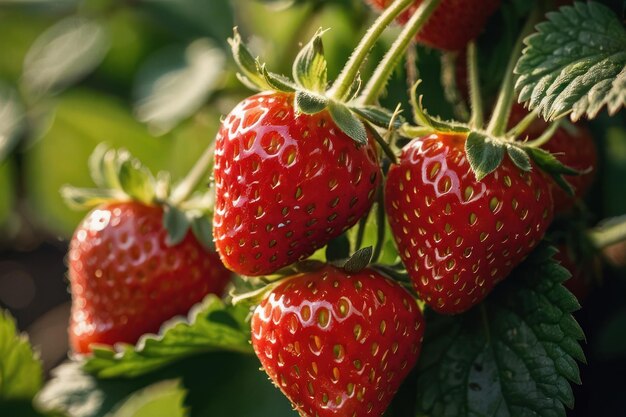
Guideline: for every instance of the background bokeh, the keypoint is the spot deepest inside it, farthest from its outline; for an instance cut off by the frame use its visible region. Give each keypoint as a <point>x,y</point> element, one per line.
<point>155,77</point>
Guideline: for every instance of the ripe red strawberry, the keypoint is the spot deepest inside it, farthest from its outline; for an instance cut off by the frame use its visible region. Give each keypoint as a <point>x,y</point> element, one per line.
<point>338,344</point>
<point>573,146</point>
<point>458,237</point>
<point>453,24</point>
<point>126,281</point>
<point>286,183</point>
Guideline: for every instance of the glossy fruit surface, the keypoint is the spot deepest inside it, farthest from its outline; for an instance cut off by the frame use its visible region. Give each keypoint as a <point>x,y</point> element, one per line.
<point>573,146</point>
<point>126,281</point>
<point>338,344</point>
<point>458,237</point>
<point>285,184</point>
<point>453,24</point>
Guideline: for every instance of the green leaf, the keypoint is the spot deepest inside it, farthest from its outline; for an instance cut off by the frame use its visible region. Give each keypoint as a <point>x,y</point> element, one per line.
<point>211,326</point>
<point>379,116</point>
<point>176,223</point>
<point>348,122</point>
<point>309,103</point>
<point>423,119</point>
<point>519,157</point>
<point>176,81</point>
<point>20,369</point>
<point>359,260</point>
<point>514,355</point>
<point>278,82</point>
<point>63,54</point>
<point>11,120</point>
<point>251,71</point>
<point>576,63</point>
<point>165,398</point>
<point>103,167</point>
<point>309,67</point>
<point>484,154</point>
<point>135,179</point>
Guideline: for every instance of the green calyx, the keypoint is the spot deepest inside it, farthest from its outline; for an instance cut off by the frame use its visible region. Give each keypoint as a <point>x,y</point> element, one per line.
<point>120,177</point>
<point>310,88</point>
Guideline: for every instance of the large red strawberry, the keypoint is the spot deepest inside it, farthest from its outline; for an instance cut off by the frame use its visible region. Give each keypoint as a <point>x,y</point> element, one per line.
<point>338,344</point>
<point>458,236</point>
<point>286,183</point>
<point>453,24</point>
<point>125,278</point>
<point>573,146</point>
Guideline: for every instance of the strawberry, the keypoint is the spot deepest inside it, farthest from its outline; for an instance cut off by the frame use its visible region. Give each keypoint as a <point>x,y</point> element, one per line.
<point>286,183</point>
<point>337,343</point>
<point>453,24</point>
<point>573,146</point>
<point>457,236</point>
<point>126,280</point>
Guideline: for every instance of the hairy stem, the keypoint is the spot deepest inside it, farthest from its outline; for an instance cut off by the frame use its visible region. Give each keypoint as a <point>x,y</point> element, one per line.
<point>377,83</point>
<point>195,175</point>
<point>519,128</point>
<point>343,83</point>
<point>545,137</point>
<point>476,99</point>
<point>502,111</point>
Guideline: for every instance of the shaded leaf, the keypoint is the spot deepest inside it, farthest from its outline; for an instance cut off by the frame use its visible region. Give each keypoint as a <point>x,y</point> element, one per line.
<point>176,81</point>
<point>250,68</point>
<point>359,260</point>
<point>514,355</point>
<point>176,223</point>
<point>484,154</point>
<point>63,54</point>
<point>202,229</point>
<point>348,122</point>
<point>309,103</point>
<point>519,157</point>
<point>379,116</point>
<point>135,179</point>
<point>576,63</point>
<point>548,163</point>
<point>164,398</point>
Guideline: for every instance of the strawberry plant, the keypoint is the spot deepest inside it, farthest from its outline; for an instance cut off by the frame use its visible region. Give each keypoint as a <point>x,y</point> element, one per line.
<point>407,225</point>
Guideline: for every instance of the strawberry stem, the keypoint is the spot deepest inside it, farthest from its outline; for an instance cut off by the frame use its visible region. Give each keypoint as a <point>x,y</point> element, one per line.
<point>502,111</point>
<point>349,73</point>
<point>476,99</point>
<point>545,137</point>
<point>382,143</point>
<point>612,232</point>
<point>519,128</point>
<point>184,189</point>
<point>377,83</point>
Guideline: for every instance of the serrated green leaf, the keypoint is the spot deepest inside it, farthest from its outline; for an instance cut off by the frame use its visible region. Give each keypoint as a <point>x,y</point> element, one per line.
<point>251,73</point>
<point>576,63</point>
<point>519,157</point>
<point>309,67</point>
<point>484,154</point>
<point>350,124</point>
<point>359,260</point>
<point>88,198</point>
<point>202,229</point>
<point>309,103</point>
<point>20,369</point>
<point>508,357</point>
<point>177,224</point>
<point>165,398</point>
<point>211,326</point>
<point>63,54</point>
<point>135,179</point>
<point>379,116</point>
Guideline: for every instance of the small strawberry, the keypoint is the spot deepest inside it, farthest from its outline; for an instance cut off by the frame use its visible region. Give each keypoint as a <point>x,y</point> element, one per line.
<point>295,166</point>
<point>453,24</point>
<point>337,343</point>
<point>573,146</point>
<point>133,261</point>
<point>285,183</point>
<point>125,278</point>
<point>458,236</point>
